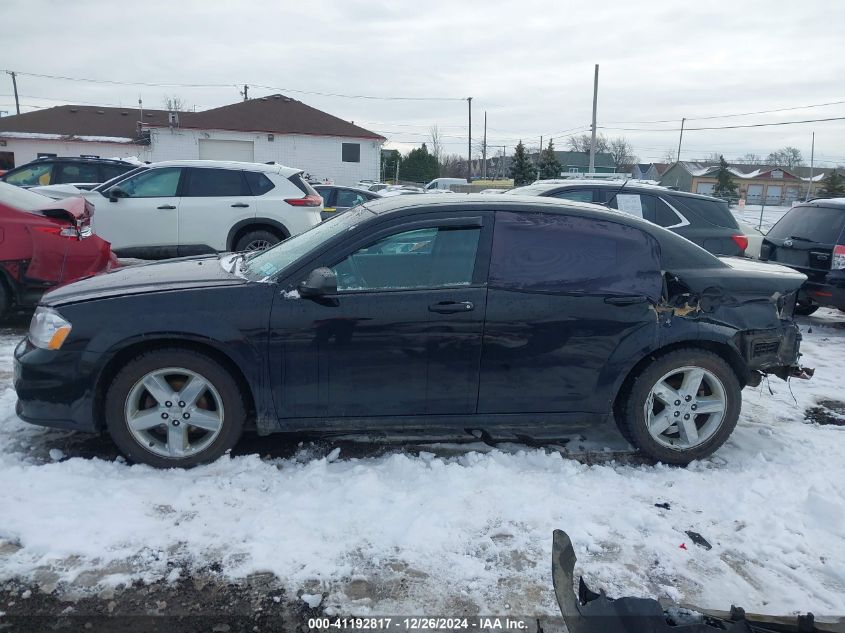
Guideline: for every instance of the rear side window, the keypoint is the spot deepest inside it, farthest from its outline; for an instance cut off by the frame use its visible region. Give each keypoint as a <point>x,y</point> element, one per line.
<point>216,183</point>
<point>713,211</point>
<point>76,172</point>
<point>349,198</point>
<point>569,254</point>
<point>816,224</point>
<point>107,172</point>
<point>259,184</point>
<point>578,195</point>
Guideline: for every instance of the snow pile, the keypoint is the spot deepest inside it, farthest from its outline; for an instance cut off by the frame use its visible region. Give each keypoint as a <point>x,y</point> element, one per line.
<point>469,528</point>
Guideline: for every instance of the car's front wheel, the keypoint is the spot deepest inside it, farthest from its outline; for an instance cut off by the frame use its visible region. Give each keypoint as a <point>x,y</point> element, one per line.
<point>174,408</point>
<point>681,407</point>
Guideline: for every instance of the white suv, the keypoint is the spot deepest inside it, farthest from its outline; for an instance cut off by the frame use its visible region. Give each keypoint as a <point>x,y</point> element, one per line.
<point>189,207</point>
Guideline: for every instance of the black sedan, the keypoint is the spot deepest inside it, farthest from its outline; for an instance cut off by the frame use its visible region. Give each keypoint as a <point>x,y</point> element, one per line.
<point>422,314</point>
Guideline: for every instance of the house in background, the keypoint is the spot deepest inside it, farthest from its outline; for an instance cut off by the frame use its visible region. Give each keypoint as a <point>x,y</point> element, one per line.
<point>649,171</point>
<point>755,184</point>
<point>267,129</point>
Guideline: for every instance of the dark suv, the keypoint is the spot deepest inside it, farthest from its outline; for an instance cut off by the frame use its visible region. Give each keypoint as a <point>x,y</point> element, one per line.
<point>811,239</point>
<point>84,172</point>
<point>703,220</point>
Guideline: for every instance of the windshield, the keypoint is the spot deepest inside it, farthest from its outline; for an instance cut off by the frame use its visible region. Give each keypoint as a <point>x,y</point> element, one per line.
<point>111,183</point>
<point>22,198</point>
<point>267,263</point>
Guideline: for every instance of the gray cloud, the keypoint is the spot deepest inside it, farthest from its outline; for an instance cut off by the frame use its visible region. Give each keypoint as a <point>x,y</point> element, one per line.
<point>528,63</point>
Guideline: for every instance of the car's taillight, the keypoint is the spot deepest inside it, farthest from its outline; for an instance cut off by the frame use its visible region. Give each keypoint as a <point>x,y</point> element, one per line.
<point>64,231</point>
<point>741,241</point>
<point>838,262</point>
<point>306,201</point>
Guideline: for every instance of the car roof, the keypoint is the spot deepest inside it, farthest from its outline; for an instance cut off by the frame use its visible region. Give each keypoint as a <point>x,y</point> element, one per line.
<point>230,164</point>
<point>630,185</point>
<point>74,159</point>
<point>831,203</point>
<point>392,204</point>
<point>351,187</point>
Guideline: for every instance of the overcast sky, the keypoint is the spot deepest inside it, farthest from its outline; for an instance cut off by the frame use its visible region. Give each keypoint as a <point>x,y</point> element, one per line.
<point>529,65</point>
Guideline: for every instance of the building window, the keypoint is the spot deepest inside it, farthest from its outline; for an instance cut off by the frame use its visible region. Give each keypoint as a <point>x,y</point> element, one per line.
<point>7,160</point>
<point>351,152</point>
<point>777,173</point>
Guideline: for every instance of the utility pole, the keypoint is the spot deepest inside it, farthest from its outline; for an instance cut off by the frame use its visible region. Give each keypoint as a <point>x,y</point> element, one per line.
<point>484,149</point>
<point>245,93</point>
<point>812,158</point>
<point>539,156</point>
<point>595,105</point>
<point>469,141</point>
<point>15,86</point>
<point>680,140</point>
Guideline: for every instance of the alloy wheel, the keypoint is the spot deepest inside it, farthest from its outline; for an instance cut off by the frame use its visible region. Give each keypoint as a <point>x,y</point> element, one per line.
<point>685,407</point>
<point>258,245</point>
<point>174,412</point>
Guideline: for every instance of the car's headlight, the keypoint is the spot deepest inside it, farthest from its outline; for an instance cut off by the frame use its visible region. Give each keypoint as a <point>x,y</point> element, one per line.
<point>48,329</point>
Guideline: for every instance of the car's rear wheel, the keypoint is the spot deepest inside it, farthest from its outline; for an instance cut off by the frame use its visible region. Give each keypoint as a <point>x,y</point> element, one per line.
<point>681,407</point>
<point>257,241</point>
<point>174,408</point>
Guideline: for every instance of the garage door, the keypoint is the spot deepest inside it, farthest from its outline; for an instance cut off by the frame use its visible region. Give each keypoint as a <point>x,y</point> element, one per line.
<point>213,149</point>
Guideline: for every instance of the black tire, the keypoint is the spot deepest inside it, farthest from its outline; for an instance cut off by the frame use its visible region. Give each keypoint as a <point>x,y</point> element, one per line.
<point>5,299</point>
<point>631,415</point>
<point>805,309</point>
<point>234,411</point>
<point>250,240</point>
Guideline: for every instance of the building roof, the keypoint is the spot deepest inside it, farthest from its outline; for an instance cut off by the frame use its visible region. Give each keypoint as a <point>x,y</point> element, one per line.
<point>82,121</point>
<point>275,114</point>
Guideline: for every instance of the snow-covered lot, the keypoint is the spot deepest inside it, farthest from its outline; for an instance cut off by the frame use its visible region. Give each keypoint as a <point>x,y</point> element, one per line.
<point>444,528</point>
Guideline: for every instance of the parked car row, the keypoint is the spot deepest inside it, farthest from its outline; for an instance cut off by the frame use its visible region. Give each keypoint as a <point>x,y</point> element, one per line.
<point>509,315</point>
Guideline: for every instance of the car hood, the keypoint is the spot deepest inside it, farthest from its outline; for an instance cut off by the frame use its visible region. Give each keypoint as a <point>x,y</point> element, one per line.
<point>77,208</point>
<point>175,274</point>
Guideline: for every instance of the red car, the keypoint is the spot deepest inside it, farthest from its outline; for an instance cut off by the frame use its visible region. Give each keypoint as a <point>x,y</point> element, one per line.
<point>45,243</point>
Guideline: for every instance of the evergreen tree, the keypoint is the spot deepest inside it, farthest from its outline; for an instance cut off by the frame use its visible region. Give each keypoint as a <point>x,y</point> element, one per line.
<point>522,171</point>
<point>725,185</point>
<point>550,166</point>
<point>419,166</point>
<point>833,186</point>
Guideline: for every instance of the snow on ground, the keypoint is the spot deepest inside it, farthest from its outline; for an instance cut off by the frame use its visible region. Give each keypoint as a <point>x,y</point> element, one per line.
<point>751,214</point>
<point>437,530</point>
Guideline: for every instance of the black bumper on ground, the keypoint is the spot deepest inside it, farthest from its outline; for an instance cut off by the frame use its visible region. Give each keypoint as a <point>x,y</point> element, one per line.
<point>55,388</point>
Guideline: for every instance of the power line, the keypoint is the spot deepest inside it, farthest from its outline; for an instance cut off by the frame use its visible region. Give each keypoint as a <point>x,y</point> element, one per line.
<point>233,85</point>
<point>727,116</point>
<point>722,127</point>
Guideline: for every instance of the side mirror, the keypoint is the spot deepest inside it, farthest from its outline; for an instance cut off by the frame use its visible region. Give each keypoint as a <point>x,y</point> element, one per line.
<point>320,282</point>
<point>116,193</point>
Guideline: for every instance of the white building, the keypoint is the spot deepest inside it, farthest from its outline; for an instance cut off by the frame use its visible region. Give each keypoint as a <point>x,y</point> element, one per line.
<point>274,128</point>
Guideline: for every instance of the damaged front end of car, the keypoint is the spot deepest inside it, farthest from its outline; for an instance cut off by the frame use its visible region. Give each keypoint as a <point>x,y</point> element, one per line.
<point>590,612</point>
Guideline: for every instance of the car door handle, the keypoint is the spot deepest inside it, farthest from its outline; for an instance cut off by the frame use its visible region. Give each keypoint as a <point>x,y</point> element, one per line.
<point>166,206</point>
<point>626,301</point>
<point>450,307</point>
<point>240,205</point>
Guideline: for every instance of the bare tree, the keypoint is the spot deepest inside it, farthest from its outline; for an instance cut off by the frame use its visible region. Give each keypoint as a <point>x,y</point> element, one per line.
<point>175,104</point>
<point>436,142</point>
<point>668,156</point>
<point>750,159</point>
<point>622,152</point>
<point>786,157</point>
<point>582,142</point>
<point>453,166</point>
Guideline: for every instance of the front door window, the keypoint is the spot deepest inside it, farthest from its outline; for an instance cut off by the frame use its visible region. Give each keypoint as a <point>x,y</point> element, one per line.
<point>155,183</point>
